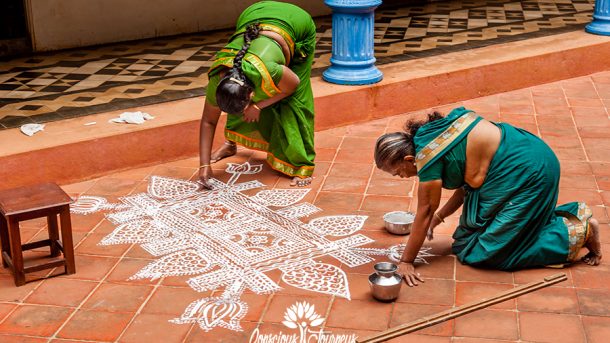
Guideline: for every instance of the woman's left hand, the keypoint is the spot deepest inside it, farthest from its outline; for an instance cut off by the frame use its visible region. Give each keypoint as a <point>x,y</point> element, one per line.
<point>407,270</point>
<point>251,113</point>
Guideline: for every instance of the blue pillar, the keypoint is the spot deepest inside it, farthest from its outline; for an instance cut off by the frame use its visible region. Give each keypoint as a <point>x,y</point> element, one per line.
<point>353,58</point>
<point>601,19</point>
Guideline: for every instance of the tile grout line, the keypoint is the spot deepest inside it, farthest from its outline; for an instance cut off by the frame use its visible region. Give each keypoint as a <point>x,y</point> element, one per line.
<point>582,145</point>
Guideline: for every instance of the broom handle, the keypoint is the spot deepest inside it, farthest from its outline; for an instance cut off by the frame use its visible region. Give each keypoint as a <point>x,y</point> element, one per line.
<point>462,310</point>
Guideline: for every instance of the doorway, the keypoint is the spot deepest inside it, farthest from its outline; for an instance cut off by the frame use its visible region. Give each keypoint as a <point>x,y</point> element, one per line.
<point>14,35</point>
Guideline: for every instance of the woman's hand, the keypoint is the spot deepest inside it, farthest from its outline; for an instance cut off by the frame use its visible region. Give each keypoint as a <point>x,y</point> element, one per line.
<point>251,113</point>
<point>434,222</point>
<point>407,270</point>
<point>205,173</point>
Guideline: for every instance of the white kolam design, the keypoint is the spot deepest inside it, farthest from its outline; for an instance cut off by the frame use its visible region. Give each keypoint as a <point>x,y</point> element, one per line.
<point>229,241</point>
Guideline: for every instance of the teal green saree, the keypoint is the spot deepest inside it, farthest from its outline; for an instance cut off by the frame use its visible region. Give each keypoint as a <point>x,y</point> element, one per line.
<point>511,221</point>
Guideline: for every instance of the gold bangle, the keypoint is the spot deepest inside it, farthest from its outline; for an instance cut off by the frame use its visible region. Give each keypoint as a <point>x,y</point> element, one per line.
<point>256,106</point>
<point>439,217</point>
<point>204,165</point>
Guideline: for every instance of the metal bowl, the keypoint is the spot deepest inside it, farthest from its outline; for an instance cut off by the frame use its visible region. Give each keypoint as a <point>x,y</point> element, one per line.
<point>398,222</point>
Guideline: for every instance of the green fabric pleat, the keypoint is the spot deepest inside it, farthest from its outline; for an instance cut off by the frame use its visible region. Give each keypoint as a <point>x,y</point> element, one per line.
<point>511,222</point>
<point>286,129</point>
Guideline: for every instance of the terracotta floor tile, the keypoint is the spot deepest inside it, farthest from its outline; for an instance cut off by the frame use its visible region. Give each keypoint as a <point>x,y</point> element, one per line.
<point>398,187</point>
<point>585,102</point>
<point>118,298</point>
<point>198,335</point>
<point>552,299</point>
<point>538,274</point>
<point>280,303</point>
<point>61,292</point>
<point>354,156</point>
<point>592,277</point>
<point>154,328</point>
<point>576,168</point>
<point>126,268</point>
<point>338,333</point>
<point>137,252</point>
<point>35,320</point>
<point>349,314</point>
<point>256,305</point>
<point>405,313</point>
<point>137,174</point>
<point>172,300</point>
<point>374,222</point>
<point>359,286</point>
<point>594,302</point>
<point>468,273</point>
<point>597,329</point>
<point>491,324</point>
<point>358,143</point>
<point>79,187</point>
<point>338,201</point>
<point>326,140</point>
<point>92,267</point>
<point>95,325</point>
<point>354,170</point>
<point>467,292</point>
<point>10,293</point>
<point>551,328</point>
<point>344,184</point>
<point>86,223</point>
<point>322,169</point>
<point>5,309</point>
<point>386,204</point>
<point>438,267</point>
<point>325,155</point>
<point>578,181</point>
<point>173,172</point>
<point>443,294</point>
<point>21,339</point>
<point>415,338</point>
<point>90,246</point>
<point>370,129</point>
<point>112,186</point>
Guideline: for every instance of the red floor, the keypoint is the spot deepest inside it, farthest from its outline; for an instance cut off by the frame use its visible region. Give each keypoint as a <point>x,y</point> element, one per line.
<point>100,304</point>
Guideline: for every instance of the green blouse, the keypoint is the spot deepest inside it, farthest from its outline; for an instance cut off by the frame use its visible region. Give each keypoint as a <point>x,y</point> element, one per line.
<point>263,48</point>
<point>450,168</point>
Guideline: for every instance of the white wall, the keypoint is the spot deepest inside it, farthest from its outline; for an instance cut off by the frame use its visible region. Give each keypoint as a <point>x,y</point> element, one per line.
<point>61,24</point>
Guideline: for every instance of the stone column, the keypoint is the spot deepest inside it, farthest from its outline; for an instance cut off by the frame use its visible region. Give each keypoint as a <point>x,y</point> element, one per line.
<point>601,19</point>
<point>353,55</point>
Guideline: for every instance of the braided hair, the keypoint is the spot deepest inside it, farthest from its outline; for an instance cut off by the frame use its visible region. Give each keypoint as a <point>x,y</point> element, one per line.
<point>392,148</point>
<point>233,91</point>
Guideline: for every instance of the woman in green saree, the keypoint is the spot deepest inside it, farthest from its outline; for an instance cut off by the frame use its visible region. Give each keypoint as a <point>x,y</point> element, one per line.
<point>262,80</point>
<point>507,181</point>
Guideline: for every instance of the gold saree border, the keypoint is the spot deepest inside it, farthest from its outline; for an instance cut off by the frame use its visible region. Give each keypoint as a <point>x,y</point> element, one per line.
<point>578,229</point>
<point>267,84</point>
<point>274,162</point>
<point>437,145</point>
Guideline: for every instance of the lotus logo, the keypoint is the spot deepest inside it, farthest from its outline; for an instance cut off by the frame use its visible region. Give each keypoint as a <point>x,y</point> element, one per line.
<point>302,316</point>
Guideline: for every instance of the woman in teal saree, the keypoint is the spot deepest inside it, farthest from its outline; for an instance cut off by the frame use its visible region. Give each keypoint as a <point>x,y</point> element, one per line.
<point>507,182</point>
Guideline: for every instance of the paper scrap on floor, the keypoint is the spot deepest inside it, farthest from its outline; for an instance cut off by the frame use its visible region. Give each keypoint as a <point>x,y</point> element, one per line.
<point>132,118</point>
<point>31,129</point>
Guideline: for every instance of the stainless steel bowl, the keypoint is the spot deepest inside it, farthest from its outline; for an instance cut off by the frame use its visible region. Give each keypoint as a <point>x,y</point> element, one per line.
<point>385,282</point>
<point>398,222</point>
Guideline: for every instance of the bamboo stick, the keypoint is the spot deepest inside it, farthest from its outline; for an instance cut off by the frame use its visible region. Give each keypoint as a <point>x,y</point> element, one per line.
<point>443,316</point>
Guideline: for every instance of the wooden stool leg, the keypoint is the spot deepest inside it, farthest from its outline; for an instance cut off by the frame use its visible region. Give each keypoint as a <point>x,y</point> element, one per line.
<point>66,236</point>
<point>16,252</point>
<point>53,234</point>
<point>4,240</point>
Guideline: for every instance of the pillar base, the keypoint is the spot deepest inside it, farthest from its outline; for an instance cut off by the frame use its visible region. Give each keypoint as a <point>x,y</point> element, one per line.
<point>599,27</point>
<point>352,76</point>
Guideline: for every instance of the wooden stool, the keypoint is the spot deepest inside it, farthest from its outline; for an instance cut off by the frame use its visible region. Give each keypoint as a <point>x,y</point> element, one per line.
<point>44,200</point>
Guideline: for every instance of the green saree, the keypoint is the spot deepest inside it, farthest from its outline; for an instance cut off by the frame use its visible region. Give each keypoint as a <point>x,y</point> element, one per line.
<point>285,130</point>
<point>511,221</point>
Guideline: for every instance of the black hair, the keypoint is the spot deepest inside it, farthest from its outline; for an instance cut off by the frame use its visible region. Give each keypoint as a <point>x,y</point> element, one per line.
<point>233,91</point>
<point>391,148</point>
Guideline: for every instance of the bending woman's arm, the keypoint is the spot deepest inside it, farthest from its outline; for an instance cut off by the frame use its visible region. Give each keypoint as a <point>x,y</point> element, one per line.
<point>428,200</point>
<point>209,120</point>
<point>287,84</point>
<point>452,205</point>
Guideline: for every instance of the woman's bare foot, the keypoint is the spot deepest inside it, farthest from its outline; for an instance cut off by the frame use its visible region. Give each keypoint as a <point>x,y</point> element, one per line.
<point>226,150</point>
<point>297,181</point>
<point>594,256</point>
